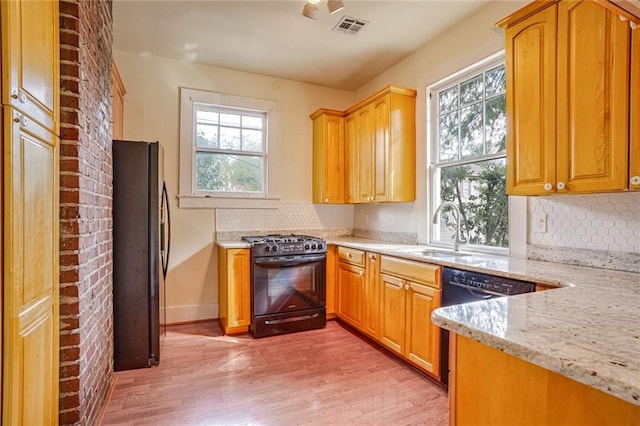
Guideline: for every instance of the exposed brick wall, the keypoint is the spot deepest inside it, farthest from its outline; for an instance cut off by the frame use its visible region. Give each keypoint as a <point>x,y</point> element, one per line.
<point>86,333</point>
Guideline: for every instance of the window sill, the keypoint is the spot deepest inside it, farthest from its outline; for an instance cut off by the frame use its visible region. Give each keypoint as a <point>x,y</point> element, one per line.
<point>200,202</point>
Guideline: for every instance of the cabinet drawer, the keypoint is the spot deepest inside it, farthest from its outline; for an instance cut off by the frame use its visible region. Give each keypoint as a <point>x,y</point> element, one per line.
<point>414,271</point>
<point>349,255</point>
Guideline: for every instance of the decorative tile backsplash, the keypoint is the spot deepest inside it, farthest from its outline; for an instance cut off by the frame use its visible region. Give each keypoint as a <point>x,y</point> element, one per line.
<point>600,222</point>
<point>287,218</point>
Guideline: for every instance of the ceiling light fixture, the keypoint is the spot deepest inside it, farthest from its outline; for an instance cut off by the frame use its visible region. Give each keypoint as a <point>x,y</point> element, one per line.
<point>311,8</point>
<point>335,6</point>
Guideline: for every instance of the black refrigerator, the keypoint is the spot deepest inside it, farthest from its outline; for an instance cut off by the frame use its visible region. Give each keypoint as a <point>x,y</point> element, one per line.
<point>140,252</point>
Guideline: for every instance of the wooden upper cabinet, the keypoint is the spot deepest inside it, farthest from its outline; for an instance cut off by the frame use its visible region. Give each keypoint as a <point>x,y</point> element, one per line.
<point>30,65</point>
<point>378,148</point>
<point>568,85</point>
<point>117,104</point>
<point>634,146</point>
<point>351,156</point>
<point>593,98</point>
<point>530,49</point>
<point>328,157</point>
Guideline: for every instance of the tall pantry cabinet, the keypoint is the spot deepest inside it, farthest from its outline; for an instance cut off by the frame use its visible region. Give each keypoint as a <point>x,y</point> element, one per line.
<point>30,180</point>
<point>568,84</point>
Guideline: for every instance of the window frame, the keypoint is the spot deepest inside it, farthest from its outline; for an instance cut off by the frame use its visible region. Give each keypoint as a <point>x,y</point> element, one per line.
<point>188,196</point>
<point>434,165</point>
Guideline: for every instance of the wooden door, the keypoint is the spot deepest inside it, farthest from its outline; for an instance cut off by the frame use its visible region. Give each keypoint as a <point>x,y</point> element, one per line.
<point>117,103</point>
<point>30,211</point>
<point>30,52</point>
<point>392,313</point>
<point>365,154</point>
<point>351,157</point>
<point>351,294</point>
<point>634,143</point>
<point>333,159</point>
<point>593,98</point>
<point>422,336</point>
<point>530,56</point>
<point>380,172</point>
<point>372,295</point>
<point>30,267</point>
<point>239,284</point>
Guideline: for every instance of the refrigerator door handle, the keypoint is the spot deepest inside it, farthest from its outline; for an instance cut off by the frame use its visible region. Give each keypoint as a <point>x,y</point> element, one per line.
<point>165,205</point>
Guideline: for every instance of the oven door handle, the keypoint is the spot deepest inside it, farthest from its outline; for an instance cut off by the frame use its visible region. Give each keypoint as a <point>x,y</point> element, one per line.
<point>285,262</point>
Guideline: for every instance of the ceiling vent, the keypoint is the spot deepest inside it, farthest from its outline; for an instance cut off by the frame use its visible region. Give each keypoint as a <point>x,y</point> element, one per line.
<point>349,25</point>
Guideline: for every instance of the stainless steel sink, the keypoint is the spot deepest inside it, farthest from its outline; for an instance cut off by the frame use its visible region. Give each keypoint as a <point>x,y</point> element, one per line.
<point>436,252</point>
<point>444,253</point>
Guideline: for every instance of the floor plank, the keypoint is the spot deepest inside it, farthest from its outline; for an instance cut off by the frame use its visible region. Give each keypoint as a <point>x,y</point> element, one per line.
<point>319,377</point>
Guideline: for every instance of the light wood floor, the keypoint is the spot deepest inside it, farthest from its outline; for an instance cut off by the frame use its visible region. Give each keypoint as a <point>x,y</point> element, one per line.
<point>319,377</point>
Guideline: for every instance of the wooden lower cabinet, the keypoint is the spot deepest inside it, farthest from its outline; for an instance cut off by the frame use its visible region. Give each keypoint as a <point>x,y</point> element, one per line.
<point>351,292</point>
<point>391,300</point>
<point>406,326</point>
<point>490,387</point>
<point>330,281</point>
<point>234,290</point>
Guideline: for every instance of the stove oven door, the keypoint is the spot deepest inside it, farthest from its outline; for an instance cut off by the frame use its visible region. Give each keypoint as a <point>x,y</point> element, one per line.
<point>285,284</point>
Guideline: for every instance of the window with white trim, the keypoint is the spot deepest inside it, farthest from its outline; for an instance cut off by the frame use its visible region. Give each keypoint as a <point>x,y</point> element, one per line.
<point>226,150</point>
<point>467,134</point>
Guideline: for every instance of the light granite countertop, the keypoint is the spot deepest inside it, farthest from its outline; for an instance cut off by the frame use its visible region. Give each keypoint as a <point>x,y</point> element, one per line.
<point>587,329</point>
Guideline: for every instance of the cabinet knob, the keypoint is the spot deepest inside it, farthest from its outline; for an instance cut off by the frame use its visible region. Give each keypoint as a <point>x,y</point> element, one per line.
<point>19,95</point>
<point>372,257</point>
<point>635,180</point>
<point>406,286</point>
<point>548,186</point>
<point>326,200</point>
<point>561,185</point>
<point>19,118</point>
<point>349,255</point>
<point>361,273</point>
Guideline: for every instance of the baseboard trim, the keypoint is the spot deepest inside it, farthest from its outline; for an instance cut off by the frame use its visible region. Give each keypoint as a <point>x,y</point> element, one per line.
<point>189,313</point>
<point>107,400</point>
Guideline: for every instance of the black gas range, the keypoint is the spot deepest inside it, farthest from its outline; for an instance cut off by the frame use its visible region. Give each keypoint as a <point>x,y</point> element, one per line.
<point>288,281</point>
<point>285,245</point>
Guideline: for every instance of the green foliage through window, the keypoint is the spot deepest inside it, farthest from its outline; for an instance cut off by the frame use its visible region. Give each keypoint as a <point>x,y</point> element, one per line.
<point>470,164</point>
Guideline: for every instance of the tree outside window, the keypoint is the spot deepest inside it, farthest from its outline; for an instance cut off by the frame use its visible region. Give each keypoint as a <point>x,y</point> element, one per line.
<point>469,161</point>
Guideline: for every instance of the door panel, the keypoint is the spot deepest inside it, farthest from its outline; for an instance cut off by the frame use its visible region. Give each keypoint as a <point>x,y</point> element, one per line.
<point>365,154</point>
<point>531,103</point>
<point>634,151</point>
<point>350,294</point>
<point>30,370</point>
<point>392,324</point>
<point>333,146</point>
<point>372,296</point>
<point>593,92</point>
<point>30,59</point>
<point>351,163</point>
<point>381,149</point>
<point>423,337</point>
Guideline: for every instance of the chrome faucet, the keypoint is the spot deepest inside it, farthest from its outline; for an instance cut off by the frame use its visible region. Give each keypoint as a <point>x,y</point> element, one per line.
<point>458,216</point>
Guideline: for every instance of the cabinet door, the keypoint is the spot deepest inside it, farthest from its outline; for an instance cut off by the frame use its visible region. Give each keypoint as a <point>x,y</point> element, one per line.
<point>332,260</point>
<point>351,160</point>
<point>30,64</point>
<point>392,313</point>
<point>234,289</point>
<point>422,336</point>
<point>593,98</point>
<point>634,147</point>
<point>117,103</point>
<point>30,271</point>
<point>365,154</point>
<point>401,162</point>
<point>372,295</point>
<point>530,56</point>
<point>351,294</point>
<point>380,165</point>
<point>328,159</point>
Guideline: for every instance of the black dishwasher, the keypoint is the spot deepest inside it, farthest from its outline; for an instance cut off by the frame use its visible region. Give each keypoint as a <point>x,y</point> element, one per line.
<point>460,287</point>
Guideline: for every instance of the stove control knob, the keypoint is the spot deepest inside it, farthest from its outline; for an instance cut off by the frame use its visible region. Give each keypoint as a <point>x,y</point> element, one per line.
<point>313,246</point>
<point>274,248</point>
<point>267,249</point>
<point>320,246</point>
<point>306,247</point>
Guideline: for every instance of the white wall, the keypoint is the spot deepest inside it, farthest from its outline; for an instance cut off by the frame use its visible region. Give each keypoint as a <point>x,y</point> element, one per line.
<point>462,45</point>
<point>151,112</point>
